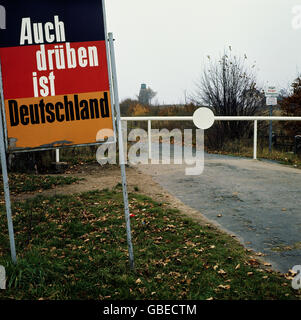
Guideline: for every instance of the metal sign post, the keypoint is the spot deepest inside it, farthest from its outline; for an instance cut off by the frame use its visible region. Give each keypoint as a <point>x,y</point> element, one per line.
<point>271,100</point>
<point>121,151</point>
<point>271,130</point>
<point>5,180</point>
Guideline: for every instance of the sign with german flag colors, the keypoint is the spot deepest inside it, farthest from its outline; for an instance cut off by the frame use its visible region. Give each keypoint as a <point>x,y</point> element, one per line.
<point>55,73</point>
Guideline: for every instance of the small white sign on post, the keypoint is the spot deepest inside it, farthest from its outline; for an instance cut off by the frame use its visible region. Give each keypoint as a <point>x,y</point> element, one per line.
<point>271,96</point>
<point>271,101</point>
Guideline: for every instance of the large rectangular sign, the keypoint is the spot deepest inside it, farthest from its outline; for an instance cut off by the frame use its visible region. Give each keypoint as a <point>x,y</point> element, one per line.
<point>55,73</point>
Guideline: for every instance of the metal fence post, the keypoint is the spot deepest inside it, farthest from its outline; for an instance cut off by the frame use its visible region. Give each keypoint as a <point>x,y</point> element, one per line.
<point>271,130</point>
<point>255,141</point>
<point>149,129</point>
<point>57,155</point>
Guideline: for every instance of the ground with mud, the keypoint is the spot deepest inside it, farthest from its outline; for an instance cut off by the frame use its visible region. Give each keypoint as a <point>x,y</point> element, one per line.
<point>259,202</point>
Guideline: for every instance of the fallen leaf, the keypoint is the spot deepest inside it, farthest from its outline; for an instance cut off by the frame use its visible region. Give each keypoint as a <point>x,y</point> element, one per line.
<point>292,272</point>
<point>253,262</point>
<point>222,272</point>
<point>225,287</point>
<point>259,254</point>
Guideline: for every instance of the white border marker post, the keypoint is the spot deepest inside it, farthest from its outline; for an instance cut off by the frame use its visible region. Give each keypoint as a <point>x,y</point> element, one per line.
<point>203,118</point>
<point>121,151</point>
<point>5,179</point>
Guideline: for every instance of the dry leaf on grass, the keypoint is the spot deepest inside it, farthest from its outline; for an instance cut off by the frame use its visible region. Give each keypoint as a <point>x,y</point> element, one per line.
<point>222,272</point>
<point>225,287</point>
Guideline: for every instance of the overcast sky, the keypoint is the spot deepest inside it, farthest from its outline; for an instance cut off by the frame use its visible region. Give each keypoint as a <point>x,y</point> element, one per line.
<point>164,43</point>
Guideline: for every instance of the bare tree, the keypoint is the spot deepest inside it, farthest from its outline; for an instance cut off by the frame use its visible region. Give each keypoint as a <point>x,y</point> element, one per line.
<point>291,106</point>
<point>228,86</point>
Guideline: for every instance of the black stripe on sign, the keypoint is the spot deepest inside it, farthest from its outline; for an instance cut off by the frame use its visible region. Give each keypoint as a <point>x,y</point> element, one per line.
<point>83,19</point>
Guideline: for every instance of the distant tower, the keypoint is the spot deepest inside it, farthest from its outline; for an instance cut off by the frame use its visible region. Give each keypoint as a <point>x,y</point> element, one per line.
<point>143,95</point>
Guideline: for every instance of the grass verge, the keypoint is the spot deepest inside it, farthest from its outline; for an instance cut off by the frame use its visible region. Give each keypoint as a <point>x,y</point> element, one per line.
<point>79,156</point>
<point>286,158</point>
<point>74,247</point>
<point>20,183</point>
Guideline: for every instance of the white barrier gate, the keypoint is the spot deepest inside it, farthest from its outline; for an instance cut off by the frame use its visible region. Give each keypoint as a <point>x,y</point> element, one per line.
<point>255,119</point>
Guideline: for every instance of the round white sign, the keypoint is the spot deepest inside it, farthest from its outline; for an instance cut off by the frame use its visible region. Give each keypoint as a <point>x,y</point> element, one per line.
<point>203,118</point>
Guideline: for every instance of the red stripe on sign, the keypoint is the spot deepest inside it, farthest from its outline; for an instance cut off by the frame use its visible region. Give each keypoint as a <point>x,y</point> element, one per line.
<point>56,69</point>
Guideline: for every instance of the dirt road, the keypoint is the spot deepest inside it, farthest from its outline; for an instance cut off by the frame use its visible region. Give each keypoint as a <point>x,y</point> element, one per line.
<point>258,201</point>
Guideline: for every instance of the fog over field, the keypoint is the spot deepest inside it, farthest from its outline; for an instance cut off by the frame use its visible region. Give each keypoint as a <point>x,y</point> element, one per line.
<point>165,43</point>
